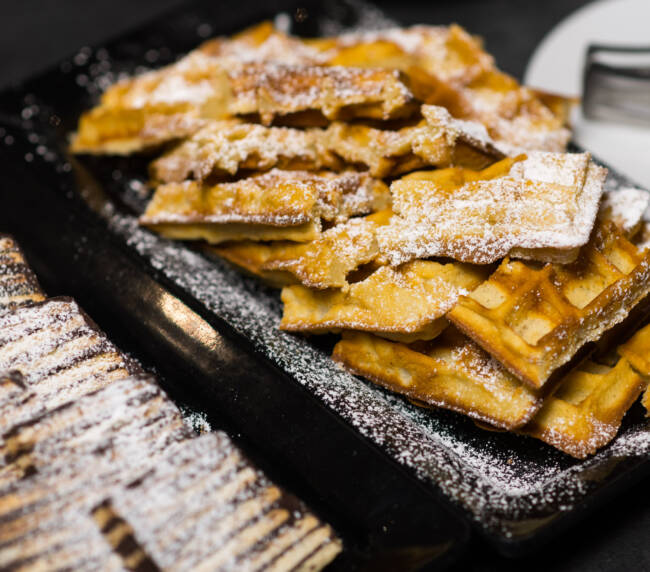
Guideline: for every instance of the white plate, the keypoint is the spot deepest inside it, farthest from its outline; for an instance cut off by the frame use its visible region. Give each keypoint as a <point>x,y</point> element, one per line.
<point>557,65</point>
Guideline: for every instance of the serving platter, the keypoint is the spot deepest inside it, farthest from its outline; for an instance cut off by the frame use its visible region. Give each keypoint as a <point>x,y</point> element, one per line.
<point>396,479</point>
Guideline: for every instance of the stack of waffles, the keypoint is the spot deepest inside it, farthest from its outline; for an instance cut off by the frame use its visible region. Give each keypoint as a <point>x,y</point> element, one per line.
<point>406,194</point>
<point>99,471</point>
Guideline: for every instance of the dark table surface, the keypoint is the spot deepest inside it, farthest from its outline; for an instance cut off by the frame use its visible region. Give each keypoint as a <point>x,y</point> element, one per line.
<point>35,34</point>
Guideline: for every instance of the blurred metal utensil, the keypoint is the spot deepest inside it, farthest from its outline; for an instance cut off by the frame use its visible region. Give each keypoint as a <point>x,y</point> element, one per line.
<point>616,84</point>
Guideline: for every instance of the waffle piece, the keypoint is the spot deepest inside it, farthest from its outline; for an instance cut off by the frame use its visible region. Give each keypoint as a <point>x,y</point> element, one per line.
<point>18,285</point>
<point>155,107</point>
<point>322,263</point>
<point>625,208</point>
<point>59,354</point>
<point>305,93</point>
<point>128,410</point>
<point>407,303</point>
<point>451,372</point>
<point>541,207</point>
<point>249,257</point>
<point>278,205</point>
<point>448,67</point>
<point>208,508</point>
<point>586,410</point>
<point>637,351</point>
<point>438,141</point>
<point>226,147</point>
<point>176,101</point>
<point>327,261</point>
<point>533,320</point>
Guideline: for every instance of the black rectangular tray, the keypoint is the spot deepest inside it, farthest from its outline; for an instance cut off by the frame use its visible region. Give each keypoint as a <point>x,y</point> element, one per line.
<point>398,481</point>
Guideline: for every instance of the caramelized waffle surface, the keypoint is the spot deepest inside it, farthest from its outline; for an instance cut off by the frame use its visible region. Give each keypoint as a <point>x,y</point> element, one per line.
<point>18,285</point>
<point>450,371</point>
<point>405,303</point>
<point>535,319</point>
<point>542,206</point>
<point>278,205</point>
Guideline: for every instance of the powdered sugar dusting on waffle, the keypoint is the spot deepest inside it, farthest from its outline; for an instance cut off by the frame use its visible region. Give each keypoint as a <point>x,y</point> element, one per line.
<point>277,88</point>
<point>545,201</point>
<point>225,145</point>
<point>625,207</point>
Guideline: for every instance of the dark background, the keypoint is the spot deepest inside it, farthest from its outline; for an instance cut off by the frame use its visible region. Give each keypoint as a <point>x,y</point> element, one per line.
<point>35,34</point>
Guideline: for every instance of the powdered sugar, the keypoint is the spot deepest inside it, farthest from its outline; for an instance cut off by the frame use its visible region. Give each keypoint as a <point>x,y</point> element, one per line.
<point>493,476</point>
<point>545,201</point>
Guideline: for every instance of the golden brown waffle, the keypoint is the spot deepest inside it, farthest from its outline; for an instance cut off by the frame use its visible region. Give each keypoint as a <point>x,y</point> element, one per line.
<point>407,303</point>
<point>226,147</point>
<point>278,205</point>
<point>155,107</point>
<point>327,261</point>
<point>308,93</point>
<point>535,319</point>
<point>451,372</point>
<point>586,410</point>
<point>541,206</point>
<point>448,67</point>
<point>637,352</point>
<point>18,285</point>
<point>322,263</point>
<point>439,140</point>
<point>250,257</point>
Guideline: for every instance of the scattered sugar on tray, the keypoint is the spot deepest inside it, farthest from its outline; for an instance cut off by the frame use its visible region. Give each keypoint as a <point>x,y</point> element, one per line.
<point>490,489</point>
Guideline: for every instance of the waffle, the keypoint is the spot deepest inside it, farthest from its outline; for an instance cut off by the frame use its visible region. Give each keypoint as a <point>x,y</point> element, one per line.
<point>306,93</point>
<point>586,410</point>
<point>59,354</point>
<point>533,320</point>
<point>250,257</point>
<point>636,351</point>
<point>448,67</point>
<point>226,147</point>
<point>18,285</point>
<point>439,140</point>
<point>541,207</point>
<point>451,372</point>
<point>155,107</point>
<point>323,263</point>
<point>278,205</point>
<point>208,508</point>
<point>326,262</point>
<point>406,304</point>
<point>625,208</point>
